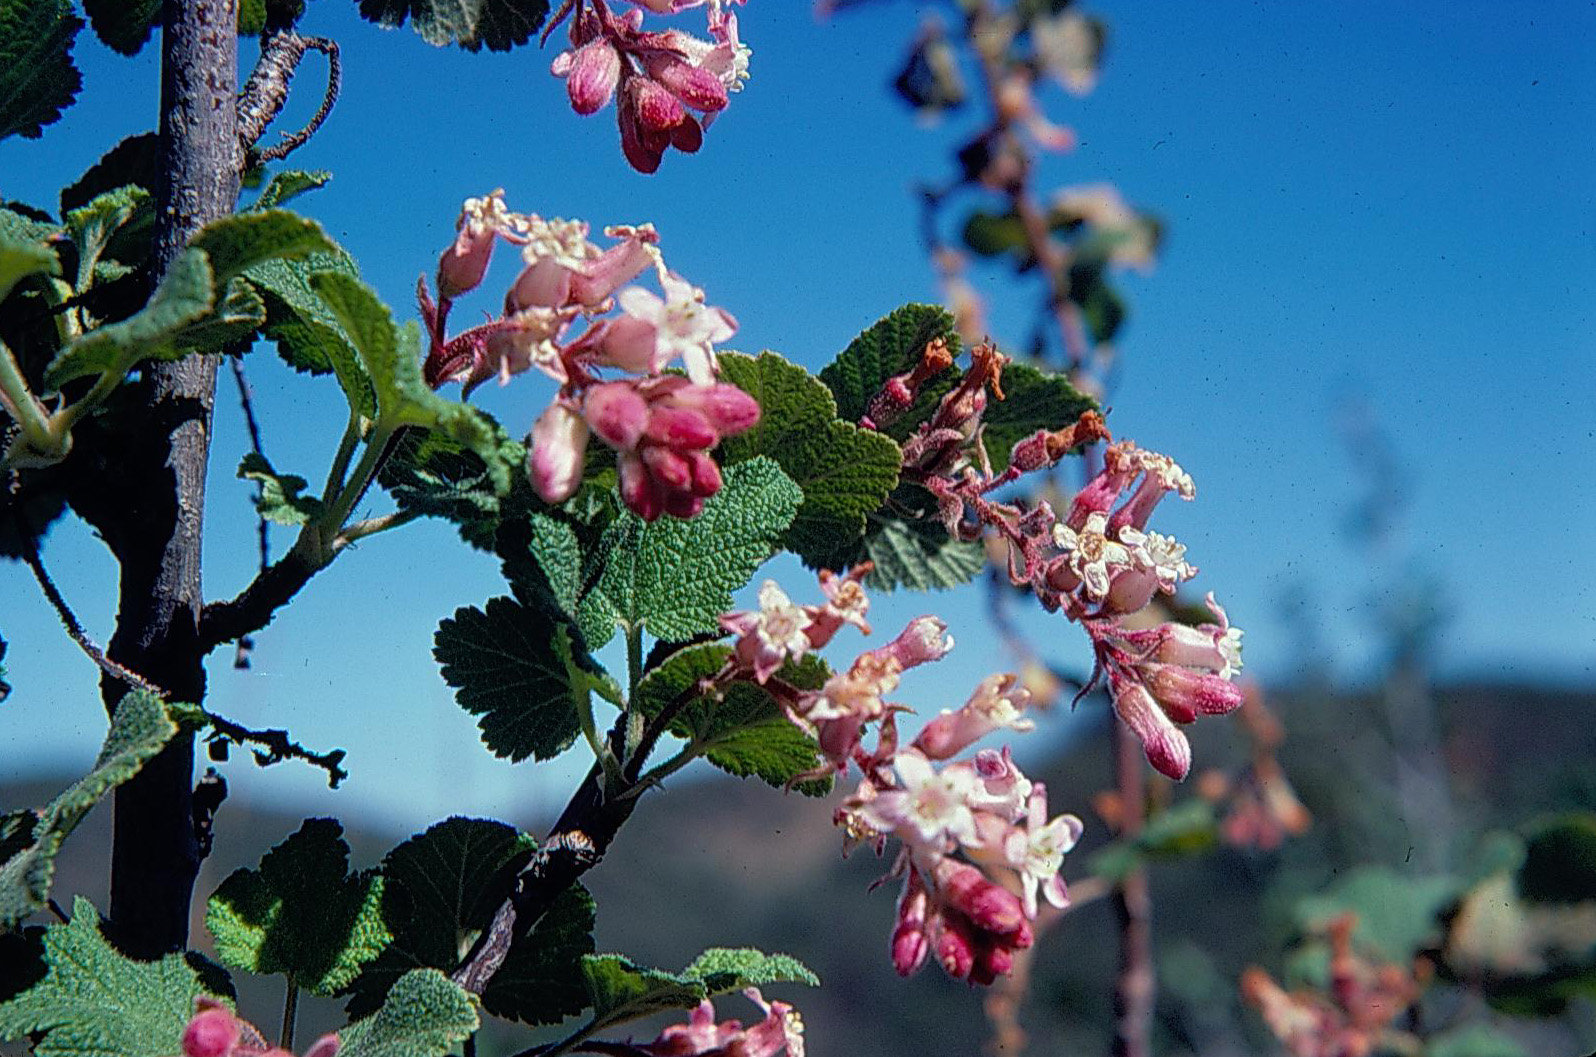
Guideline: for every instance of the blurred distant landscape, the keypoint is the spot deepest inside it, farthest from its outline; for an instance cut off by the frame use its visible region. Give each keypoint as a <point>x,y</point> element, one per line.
<point>715,861</point>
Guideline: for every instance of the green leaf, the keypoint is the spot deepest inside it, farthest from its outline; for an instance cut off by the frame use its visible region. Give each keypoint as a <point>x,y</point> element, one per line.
<point>23,251</point>
<point>430,475</point>
<point>1033,400</point>
<point>620,990</point>
<point>280,499</point>
<point>1101,305</point>
<point>302,913</point>
<point>425,1014</point>
<point>240,241</point>
<point>441,889</point>
<point>540,981</point>
<point>733,968</point>
<point>93,1002</point>
<point>135,160</point>
<point>1397,912</point>
<point>1560,862</point>
<point>184,296</point>
<point>1473,1040</point>
<point>499,24</point>
<point>123,25</point>
<point>230,325</point>
<point>393,363</point>
<point>504,668</point>
<point>745,732</point>
<point>305,330</point>
<point>37,76</point>
<point>289,184</point>
<point>675,577</point>
<point>1186,829</point>
<point>140,727</point>
<point>891,346</point>
<point>911,551</point>
<point>845,472</point>
<point>994,234</point>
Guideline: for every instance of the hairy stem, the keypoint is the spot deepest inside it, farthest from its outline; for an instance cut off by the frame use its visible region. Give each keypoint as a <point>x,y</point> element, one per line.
<point>285,1038</point>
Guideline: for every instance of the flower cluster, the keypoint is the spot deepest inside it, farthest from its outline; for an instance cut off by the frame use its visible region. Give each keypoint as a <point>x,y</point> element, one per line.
<point>781,1030</point>
<point>1263,807</point>
<point>978,847</point>
<point>1099,563</point>
<point>662,427</point>
<point>658,79</point>
<point>1354,1018</point>
<point>215,1031</point>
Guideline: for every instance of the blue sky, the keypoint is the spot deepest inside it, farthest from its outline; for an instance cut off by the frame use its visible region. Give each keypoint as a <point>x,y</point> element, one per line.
<point>1368,205</point>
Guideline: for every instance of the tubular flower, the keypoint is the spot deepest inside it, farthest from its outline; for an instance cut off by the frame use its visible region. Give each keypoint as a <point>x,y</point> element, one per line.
<point>781,1031</point>
<point>215,1031</point>
<point>997,704</point>
<point>770,635</point>
<point>663,427</point>
<point>658,79</point>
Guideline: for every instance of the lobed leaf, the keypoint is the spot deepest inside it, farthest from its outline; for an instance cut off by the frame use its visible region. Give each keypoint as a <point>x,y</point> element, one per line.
<point>135,160</point>
<point>94,1002</point>
<point>37,76</point>
<point>504,667</point>
<point>620,990</point>
<point>123,25</point>
<point>280,499</point>
<point>845,472</point>
<point>888,347</point>
<point>307,334</point>
<point>240,241</point>
<point>744,731</point>
<point>1033,400</point>
<point>430,475</point>
<point>302,913</point>
<point>24,251</point>
<point>675,577</point>
<point>498,24</point>
<point>424,1015</point>
<point>141,726</point>
<point>540,980</point>
<point>910,547</point>
<point>733,968</point>
<point>289,184</point>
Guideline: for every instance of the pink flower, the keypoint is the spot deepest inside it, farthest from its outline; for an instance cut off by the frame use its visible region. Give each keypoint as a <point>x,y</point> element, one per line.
<point>782,1030</point>
<point>997,704</point>
<point>770,635</point>
<point>556,455</point>
<point>682,324</point>
<point>464,263</point>
<point>1036,851</point>
<point>928,810</point>
<point>214,1031</point>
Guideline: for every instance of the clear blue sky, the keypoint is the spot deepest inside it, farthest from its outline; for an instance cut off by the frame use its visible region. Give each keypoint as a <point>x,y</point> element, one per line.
<point>1366,202</point>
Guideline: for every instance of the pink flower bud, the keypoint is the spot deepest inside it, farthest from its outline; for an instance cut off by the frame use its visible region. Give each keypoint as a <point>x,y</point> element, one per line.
<point>988,906</point>
<point>727,408</point>
<point>706,474</point>
<point>683,505</point>
<point>693,85</point>
<point>545,283</point>
<point>1192,693</point>
<point>657,109</point>
<point>638,490</point>
<point>688,137</point>
<point>559,445</point>
<point>464,263</point>
<point>682,428</point>
<point>326,1046</point>
<point>955,941</point>
<point>1166,747</point>
<point>924,640</point>
<point>644,150</point>
<point>212,1032</point>
<point>1131,590</point>
<point>627,342</point>
<point>910,944</point>
<point>667,468</point>
<point>594,71</point>
<point>617,413</point>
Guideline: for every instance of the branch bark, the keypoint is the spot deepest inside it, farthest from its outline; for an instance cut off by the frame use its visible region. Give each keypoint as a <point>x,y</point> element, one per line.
<point>156,849</point>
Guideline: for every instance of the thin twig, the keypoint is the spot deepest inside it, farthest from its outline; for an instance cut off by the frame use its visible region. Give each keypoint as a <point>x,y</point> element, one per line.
<point>277,748</point>
<point>266,91</point>
<point>246,401</point>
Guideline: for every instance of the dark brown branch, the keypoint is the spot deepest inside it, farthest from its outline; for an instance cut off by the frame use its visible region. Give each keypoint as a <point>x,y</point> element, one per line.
<point>266,91</point>
<point>277,748</point>
<point>257,604</point>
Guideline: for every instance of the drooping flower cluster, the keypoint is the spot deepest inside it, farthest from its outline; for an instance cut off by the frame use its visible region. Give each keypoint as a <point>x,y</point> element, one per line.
<point>1099,563</point>
<point>668,85</point>
<point>215,1031</point>
<point>978,847</point>
<point>662,427</point>
<point>1354,1018</point>
<point>782,1030</point>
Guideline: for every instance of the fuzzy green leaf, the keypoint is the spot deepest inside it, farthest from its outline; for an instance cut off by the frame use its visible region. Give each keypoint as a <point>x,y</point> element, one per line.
<point>540,981</point>
<point>733,968</point>
<point>620,990</point>
<point>123,25</point>
<point>37,76</point>
<point>289,184</point>
<point>229,325</point>
<point>306,332</point>
<point>911,551</point>
<point>498,24</point>
<point>745,732</point>
<point>302,913</point>
<point>94,1002</point>
<point>675,577</point>
<point>91,226</point>
<point>845,472</point>
<point>240,241</point>
<point>280,499</point>
<point>1397,911</point>
<point>184,296</point>
<point>140,727</point>
<point>440,891</point>
<point>425,1014</point>
<point>430,475</point>
<point>891,346</point>
<point>23,251</point>
<point>135,160</point>
<point>392,359</point>
<point>504,668</point>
